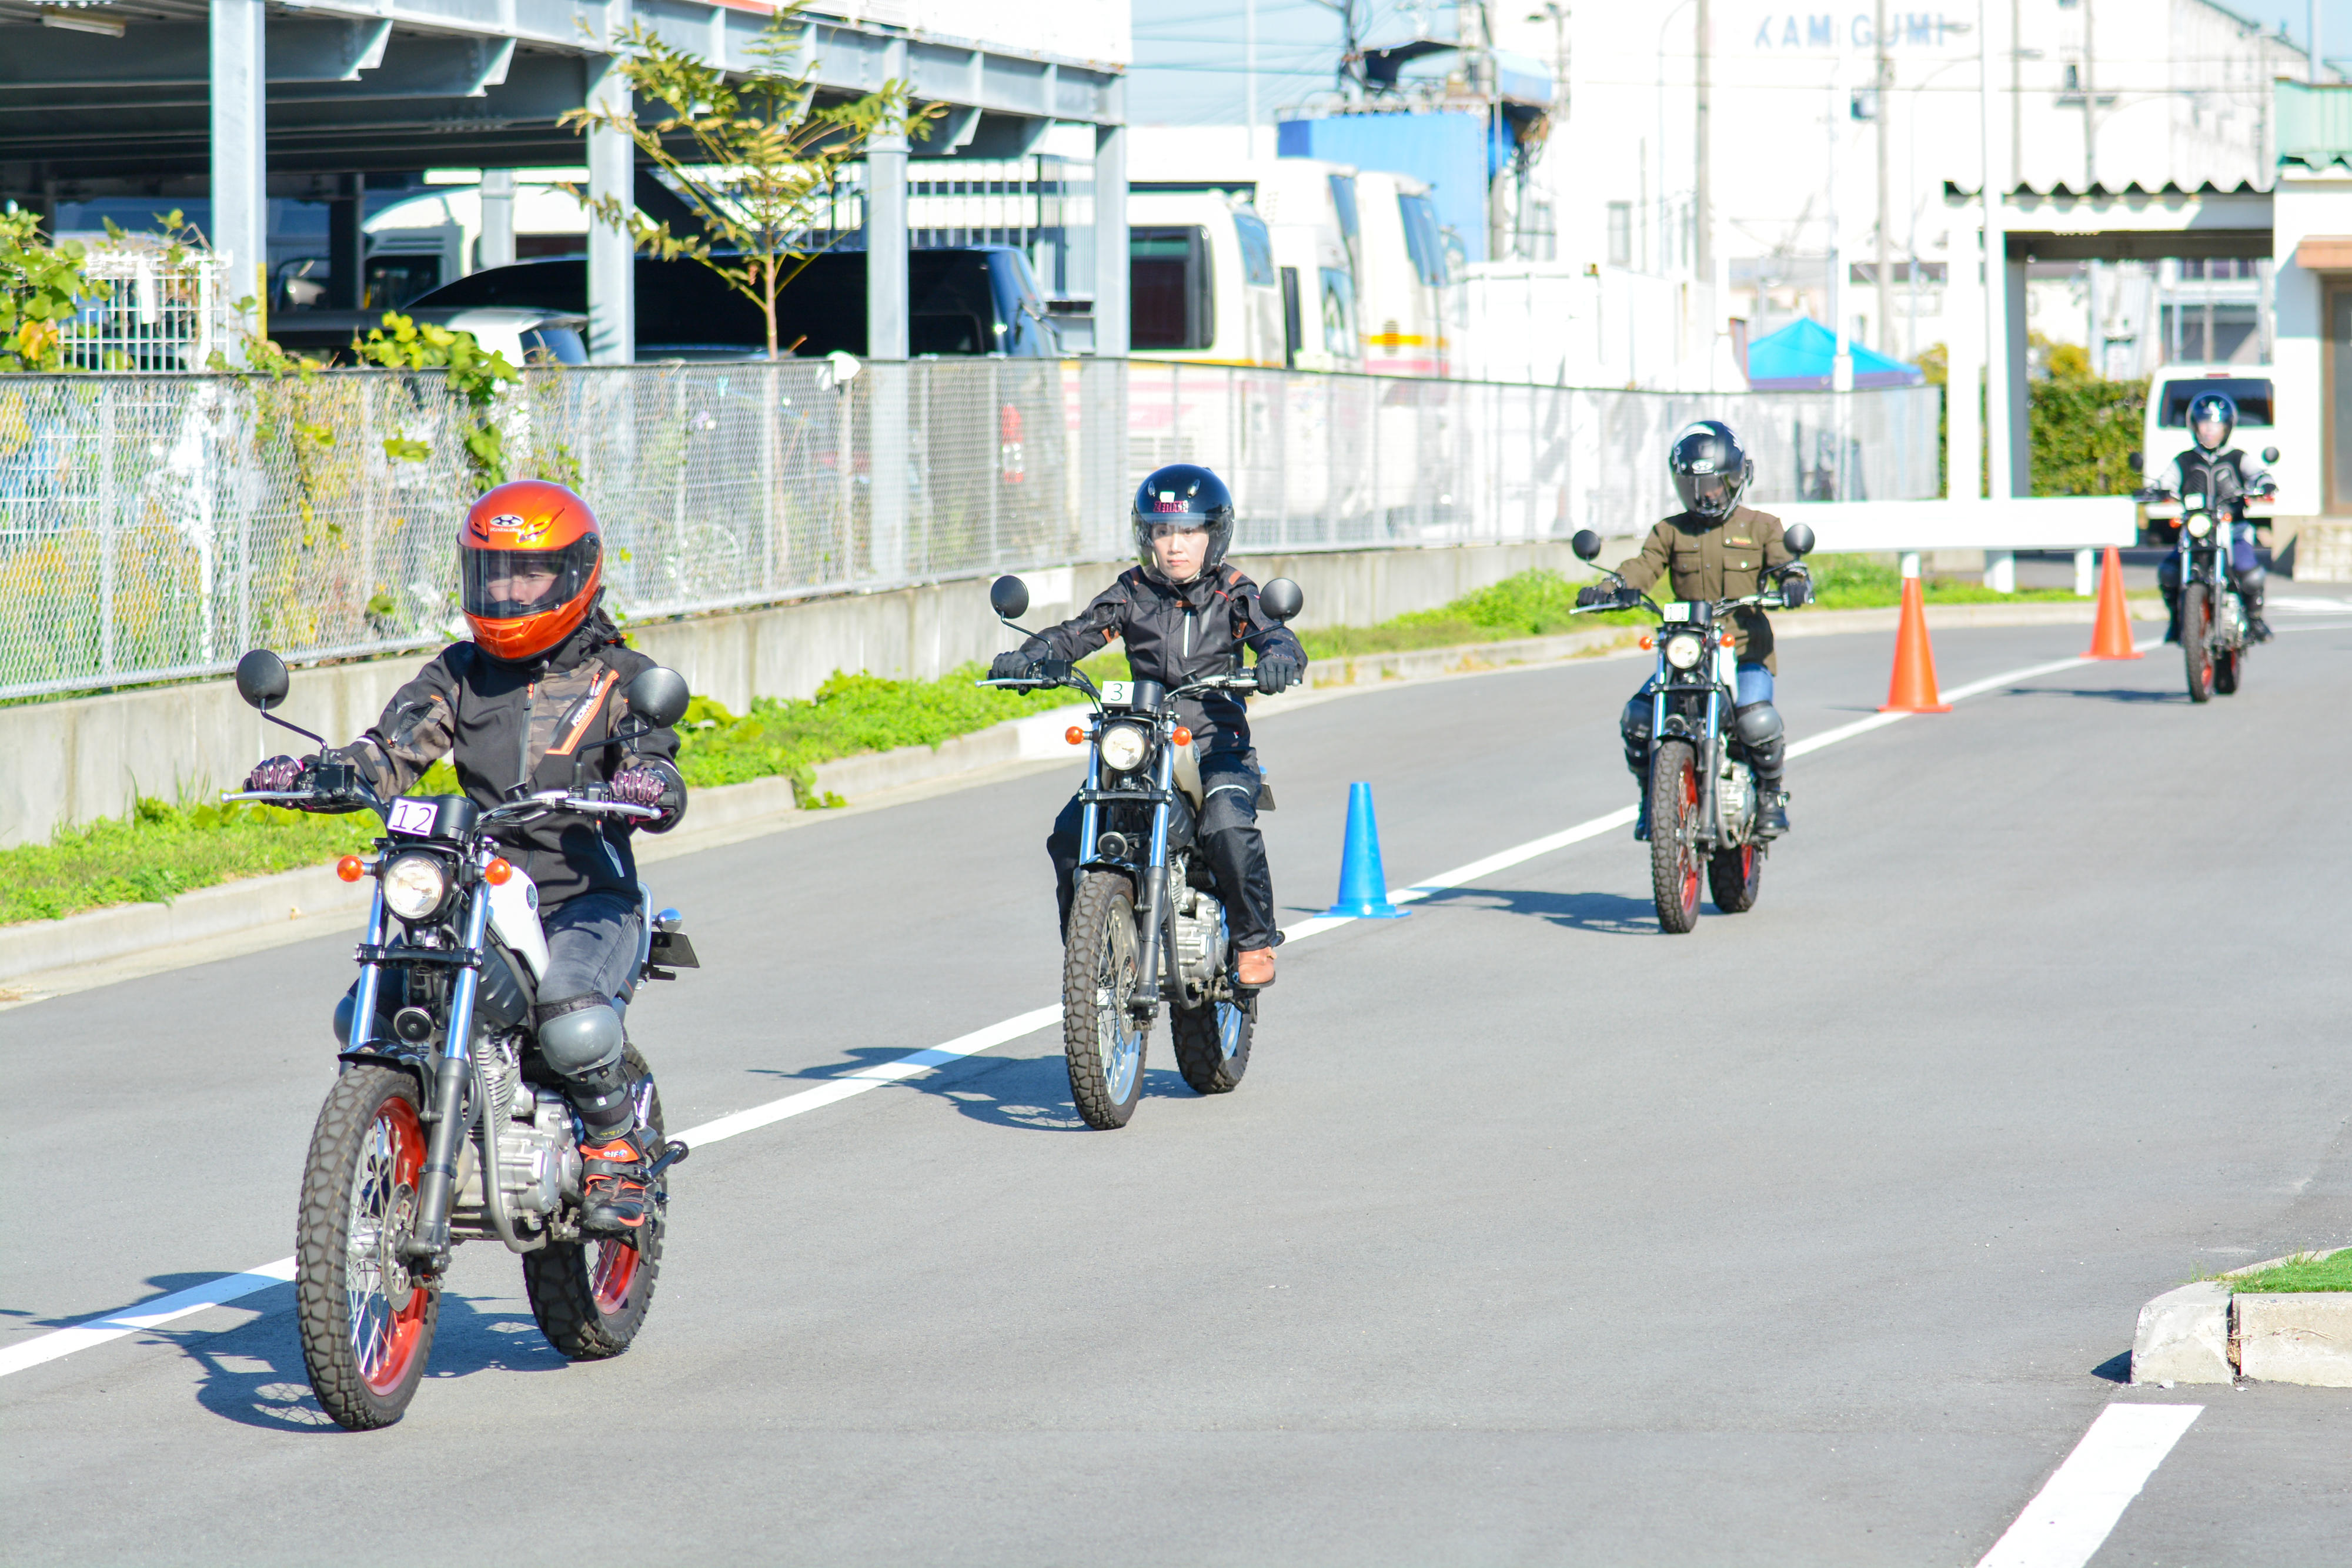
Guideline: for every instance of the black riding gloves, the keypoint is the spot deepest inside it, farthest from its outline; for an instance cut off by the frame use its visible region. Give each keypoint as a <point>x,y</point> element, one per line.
<point>1599,593</point>
<point>278,773</point>
<point>1013,665</point>
<point>1276,673</point>
<point>654,784</point>
<point>1796,589</point>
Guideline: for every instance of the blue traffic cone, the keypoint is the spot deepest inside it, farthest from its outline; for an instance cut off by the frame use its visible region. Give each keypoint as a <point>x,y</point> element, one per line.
<point>1363,887</point>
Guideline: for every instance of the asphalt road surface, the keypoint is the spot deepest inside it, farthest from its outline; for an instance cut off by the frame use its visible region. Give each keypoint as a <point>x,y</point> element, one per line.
<point>1533,1236</point>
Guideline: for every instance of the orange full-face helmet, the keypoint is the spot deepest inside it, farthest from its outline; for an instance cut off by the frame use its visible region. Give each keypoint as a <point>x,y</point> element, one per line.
<point>530,561</point>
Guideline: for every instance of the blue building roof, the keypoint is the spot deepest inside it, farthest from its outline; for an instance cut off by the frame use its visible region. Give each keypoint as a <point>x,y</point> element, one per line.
<point>1800,357</point>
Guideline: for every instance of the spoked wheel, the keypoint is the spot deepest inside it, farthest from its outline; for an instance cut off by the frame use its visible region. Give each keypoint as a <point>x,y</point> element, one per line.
<point>1103,1041</point>
<point>1673,832</point>
<point>591,1296</point>
<point>2197,639</point>
<point>1733,875</point>
<point>366,1320</point>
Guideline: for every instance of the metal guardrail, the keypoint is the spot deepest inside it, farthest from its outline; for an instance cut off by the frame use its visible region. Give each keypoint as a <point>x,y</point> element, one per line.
<point>154,527</point>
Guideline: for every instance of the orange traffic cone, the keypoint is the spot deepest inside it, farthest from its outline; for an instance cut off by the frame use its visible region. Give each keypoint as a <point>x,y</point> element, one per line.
<point>1913,689</point>
<point>2112,638</point>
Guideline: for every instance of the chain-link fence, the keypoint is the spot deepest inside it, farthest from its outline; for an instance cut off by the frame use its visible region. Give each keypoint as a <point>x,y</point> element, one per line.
<point>154,527</point>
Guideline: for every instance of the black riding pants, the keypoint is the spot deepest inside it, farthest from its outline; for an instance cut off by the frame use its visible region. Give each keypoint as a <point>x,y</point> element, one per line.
<point>1226,840</point>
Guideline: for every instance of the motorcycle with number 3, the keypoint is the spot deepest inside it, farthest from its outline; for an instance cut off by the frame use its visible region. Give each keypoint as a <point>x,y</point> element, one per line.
<point>1146,926</point>
<point>444,1125</point>
<point>1706,807</point>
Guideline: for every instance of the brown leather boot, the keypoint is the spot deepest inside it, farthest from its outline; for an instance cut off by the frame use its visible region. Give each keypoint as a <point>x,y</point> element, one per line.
<point>1256,967</point>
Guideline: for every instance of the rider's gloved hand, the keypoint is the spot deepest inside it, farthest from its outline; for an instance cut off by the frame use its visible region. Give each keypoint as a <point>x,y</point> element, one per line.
<point>1013,665</point>
<point>1596,594</point>
<point>278,773</point>
<point>1796,588</point>
<point>1276,673</point>
<point>654,784</point>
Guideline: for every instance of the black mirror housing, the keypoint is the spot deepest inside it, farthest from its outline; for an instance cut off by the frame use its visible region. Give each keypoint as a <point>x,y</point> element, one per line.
<point>1586,544</point>
<point>660,697</point>
<point>261,679</point>
<point>1799,539</point>
<point>1282,600</point>
<point>1009,597</point>
<point>2135,459</point>
<point>2270,454</point>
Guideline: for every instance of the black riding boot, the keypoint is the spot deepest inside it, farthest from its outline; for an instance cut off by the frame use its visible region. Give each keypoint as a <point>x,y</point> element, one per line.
<point>1772,805</point>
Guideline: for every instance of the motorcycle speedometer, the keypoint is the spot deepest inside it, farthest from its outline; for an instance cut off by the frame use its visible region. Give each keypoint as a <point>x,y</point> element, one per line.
<point>2200,524</point>
<point>1122,747</point>
<point>416,886</point>
<point>1682,652</point>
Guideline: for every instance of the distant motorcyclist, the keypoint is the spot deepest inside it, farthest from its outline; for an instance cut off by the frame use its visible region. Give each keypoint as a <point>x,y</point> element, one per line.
<point>1716,549</point>
<point>2227,480</point>
<point>1186,615</point>
<point>543,678</point>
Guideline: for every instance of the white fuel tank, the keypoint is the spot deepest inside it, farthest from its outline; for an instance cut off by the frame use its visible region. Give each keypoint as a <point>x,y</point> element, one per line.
<point>514,919</point>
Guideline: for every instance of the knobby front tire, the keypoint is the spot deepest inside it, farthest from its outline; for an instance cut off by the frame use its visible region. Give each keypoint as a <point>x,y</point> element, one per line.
<point>2197,639</point>
<point>365,1322</point>
<point>1733,876</point>
<point>1212,1046</point>
<point>591,1296</point>
<point>1674,827</point>
<point>1103,1041</point>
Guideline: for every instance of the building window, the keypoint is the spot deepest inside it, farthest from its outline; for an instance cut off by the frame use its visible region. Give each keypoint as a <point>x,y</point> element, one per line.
<point>1621,233</point>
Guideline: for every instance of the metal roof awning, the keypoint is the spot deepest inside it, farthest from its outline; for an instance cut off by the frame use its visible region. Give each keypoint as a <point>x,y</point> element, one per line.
<point>390,85</point>
<point>2133,224</point>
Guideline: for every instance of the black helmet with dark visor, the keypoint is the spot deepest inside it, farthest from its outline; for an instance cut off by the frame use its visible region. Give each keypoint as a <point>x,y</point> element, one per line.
<point>1710,468</point>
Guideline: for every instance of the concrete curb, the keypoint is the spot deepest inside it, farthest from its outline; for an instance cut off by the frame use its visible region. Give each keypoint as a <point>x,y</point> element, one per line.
<point>313,902</point>
<point>2207,1332</point>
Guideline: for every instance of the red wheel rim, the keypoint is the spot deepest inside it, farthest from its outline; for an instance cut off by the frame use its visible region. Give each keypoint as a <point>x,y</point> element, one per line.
<point>612,1275</point>
<point>388,1339</point>
<point>1690,853</point>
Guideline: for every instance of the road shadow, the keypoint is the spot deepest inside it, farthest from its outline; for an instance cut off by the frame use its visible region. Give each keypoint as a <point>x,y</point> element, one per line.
<point>1030,1093</point>
<point>2099,693</point>
<point>2115,1369</point>
<point>1606,913</point>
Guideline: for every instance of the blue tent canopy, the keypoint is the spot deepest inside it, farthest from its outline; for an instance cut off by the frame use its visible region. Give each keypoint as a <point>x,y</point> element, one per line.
<point>1801,356</point>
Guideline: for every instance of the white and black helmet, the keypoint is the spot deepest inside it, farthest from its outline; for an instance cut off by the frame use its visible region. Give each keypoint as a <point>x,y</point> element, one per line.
<point>1711,469</point>
<point>2210,409</point>
<point>1190,497</point>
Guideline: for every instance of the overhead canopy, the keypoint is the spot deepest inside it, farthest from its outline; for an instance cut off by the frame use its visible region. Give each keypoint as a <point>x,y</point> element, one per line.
<point>1802,357</point>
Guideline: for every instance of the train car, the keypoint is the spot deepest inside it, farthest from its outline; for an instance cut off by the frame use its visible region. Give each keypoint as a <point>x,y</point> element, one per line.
<point>1405,282</point>
<point>1202,280</point>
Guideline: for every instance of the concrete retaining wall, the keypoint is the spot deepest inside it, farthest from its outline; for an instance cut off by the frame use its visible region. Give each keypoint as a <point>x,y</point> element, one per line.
<point>74,760</point>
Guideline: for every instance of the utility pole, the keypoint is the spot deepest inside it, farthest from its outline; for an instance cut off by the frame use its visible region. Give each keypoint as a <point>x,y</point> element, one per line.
<point>1249,76</point>
<point>2312,70</point>
<point>1702,207</point>
<point>1881,93</point>
<point>2090,103</point>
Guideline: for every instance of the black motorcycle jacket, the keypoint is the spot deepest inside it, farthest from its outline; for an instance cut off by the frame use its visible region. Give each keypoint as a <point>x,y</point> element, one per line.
<point>1177,632</point>
<point>524,724</point>
<point>2227,479</point>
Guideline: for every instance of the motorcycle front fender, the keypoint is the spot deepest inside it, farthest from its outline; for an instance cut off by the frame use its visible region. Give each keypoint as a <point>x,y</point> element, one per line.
<point>417,1065</point>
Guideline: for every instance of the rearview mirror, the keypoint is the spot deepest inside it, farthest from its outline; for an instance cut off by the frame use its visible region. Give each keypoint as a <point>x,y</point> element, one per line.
<point>2270,454</point>
<point>660,697</point>
<point>1799,539</point>
<point>1009,597</point>
<point>2135,459</point>
<point>1586,544</point>
<point>261,679</point>
<point>1281,598</point>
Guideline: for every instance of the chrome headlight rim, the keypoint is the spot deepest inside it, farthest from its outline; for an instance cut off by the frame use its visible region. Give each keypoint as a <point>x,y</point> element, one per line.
<point>416,885</point>
<point>1683,650</point>
<point>1123,747</point>
<point>2199,524</point>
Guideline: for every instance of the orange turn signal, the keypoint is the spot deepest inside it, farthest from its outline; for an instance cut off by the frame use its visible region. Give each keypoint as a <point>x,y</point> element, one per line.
<point>1729,639</point>
<point>1182,736</point>
<point>1075,736</point>
<point>1648,641</point>
<point>498,873</point>
<point>351,868</point>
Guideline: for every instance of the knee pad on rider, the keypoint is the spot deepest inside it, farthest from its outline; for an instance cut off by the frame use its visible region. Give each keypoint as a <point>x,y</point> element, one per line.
<point>2250,584</point>
<point>1762,731</point>
<point>581,1037</point>
<point>1633,726</point>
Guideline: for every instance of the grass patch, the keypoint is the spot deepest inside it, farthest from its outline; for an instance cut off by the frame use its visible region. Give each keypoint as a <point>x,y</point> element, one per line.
<point>2307,1272</point>
<point>850,715</point>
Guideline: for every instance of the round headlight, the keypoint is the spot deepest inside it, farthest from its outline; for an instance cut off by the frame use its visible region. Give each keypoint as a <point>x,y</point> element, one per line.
<point>415,885</point>
<point>1683,651</point>
<point>1122,747</point>
<point>2200,524</point>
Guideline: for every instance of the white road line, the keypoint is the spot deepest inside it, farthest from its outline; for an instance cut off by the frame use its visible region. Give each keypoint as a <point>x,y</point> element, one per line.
<point>66,1340</point>
<point>2070,1518</point>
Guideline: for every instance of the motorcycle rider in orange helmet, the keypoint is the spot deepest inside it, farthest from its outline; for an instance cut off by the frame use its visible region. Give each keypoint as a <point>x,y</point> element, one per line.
<point>539,685</point>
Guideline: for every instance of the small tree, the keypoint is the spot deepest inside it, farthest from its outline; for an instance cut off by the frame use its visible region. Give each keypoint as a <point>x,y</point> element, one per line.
<point>764,161</point>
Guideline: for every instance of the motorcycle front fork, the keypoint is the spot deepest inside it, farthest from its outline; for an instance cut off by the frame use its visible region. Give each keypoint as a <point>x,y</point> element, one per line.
<point>429,1244</point>
<point>1157,911</point>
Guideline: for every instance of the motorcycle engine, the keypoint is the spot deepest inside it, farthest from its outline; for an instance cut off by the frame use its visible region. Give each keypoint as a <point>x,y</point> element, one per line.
<point>539,1152</point>
<point>1200,937</point>
<point>1735,796</point>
